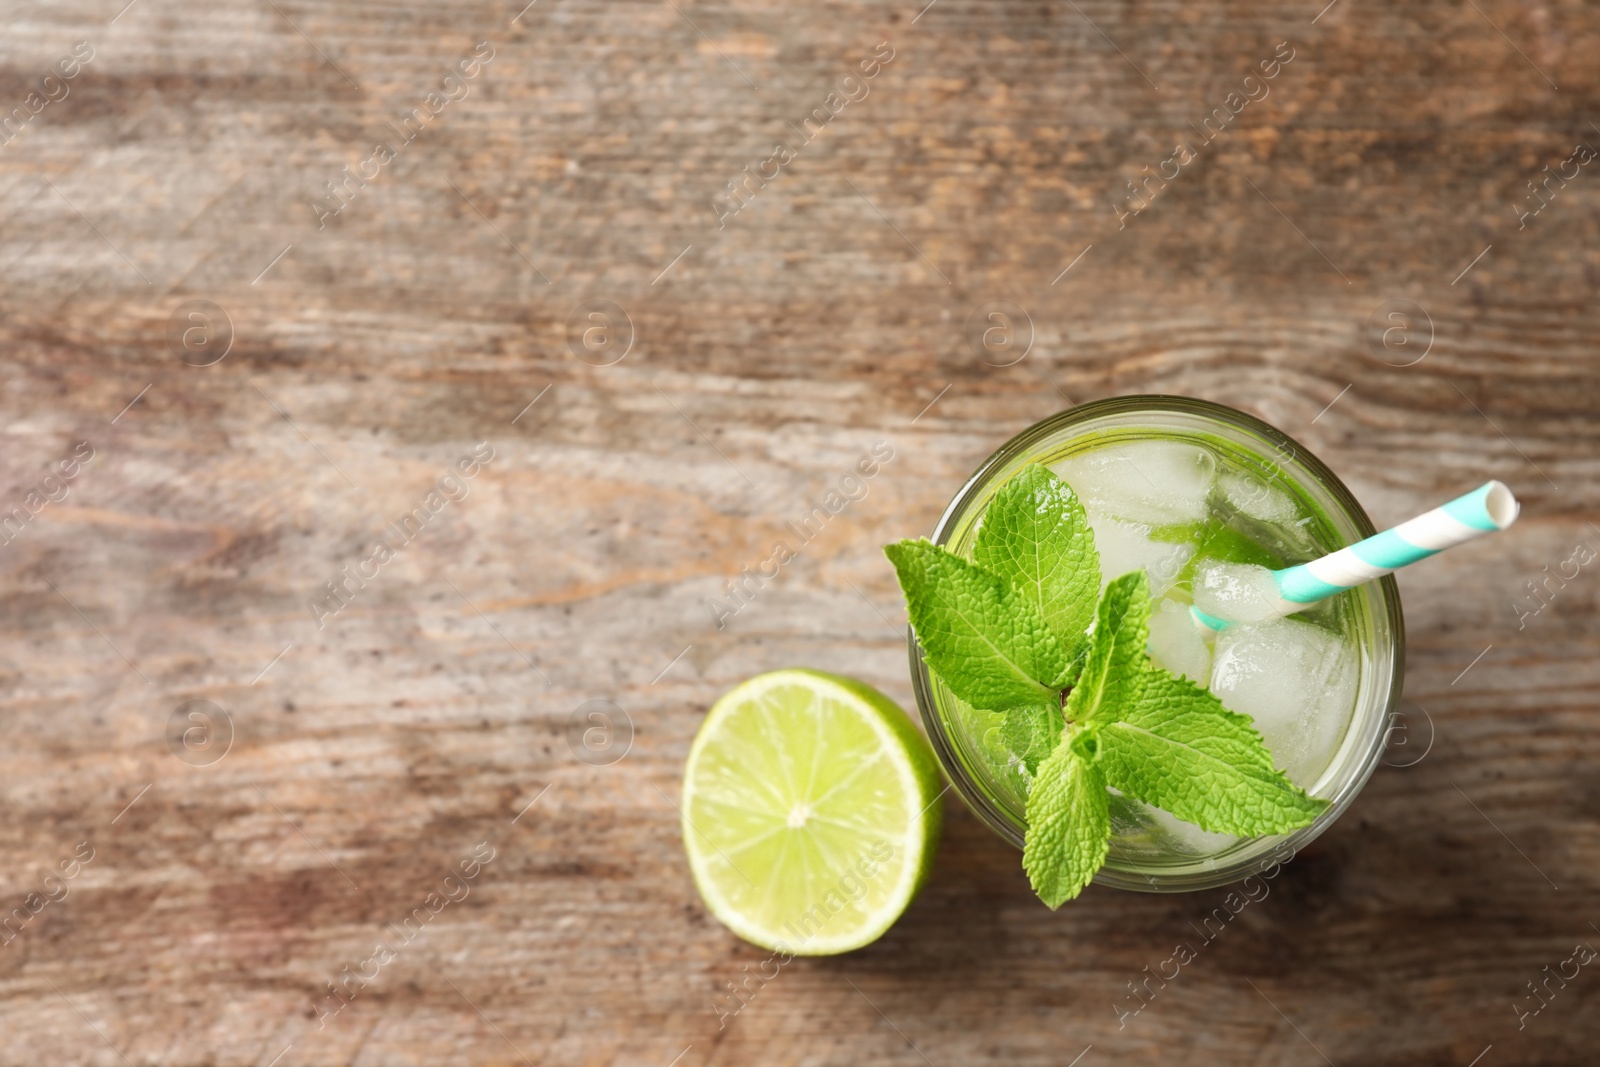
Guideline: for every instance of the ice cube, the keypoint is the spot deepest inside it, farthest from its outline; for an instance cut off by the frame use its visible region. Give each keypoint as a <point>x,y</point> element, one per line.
<point>1297,681</point>
<point>1258,504</point>
<point>1177,644</point>
<point>1239,592</point>
<point>1126,546</point>
<point>1155,482</point>
<point>1258,500</point>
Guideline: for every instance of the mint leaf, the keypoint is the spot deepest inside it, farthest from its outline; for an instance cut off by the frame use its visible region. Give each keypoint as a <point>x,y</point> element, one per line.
<point>989,645</point>
<point>1031,733</point>
<point>1113,672</point>
<point>1069,825</point>
<point>1036,536</point>
<point>1178,748</point>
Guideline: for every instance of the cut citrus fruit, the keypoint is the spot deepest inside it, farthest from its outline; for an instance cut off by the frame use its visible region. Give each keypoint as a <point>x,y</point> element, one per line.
<point>810,812</point>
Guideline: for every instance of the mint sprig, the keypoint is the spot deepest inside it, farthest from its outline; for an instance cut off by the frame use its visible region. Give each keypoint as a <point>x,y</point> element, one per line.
<point>1006,633</point>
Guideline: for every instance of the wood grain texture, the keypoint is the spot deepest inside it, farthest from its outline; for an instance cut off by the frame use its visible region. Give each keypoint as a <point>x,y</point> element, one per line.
<point>828,314</point>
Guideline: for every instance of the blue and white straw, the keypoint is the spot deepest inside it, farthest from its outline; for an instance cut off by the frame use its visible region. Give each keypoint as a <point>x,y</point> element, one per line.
<point>1488,508</point>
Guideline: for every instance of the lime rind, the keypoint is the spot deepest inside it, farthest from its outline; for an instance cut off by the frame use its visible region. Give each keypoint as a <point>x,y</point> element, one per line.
<point>810,812</point>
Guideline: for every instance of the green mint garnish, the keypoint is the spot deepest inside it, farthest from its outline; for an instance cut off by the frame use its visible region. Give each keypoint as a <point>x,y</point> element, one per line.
<point>1082,711</point>
<point>1069,827</point>
<point>1112,672</point>
<point>1178,748</point>
<point>989,644</point>
<point>1036,536</point>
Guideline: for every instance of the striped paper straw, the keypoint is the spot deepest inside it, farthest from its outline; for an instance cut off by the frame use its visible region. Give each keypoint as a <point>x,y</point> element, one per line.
<point>1488,508</point>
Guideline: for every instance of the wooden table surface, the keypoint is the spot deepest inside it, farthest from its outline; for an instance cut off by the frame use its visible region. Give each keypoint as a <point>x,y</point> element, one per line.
<point>250,376</point>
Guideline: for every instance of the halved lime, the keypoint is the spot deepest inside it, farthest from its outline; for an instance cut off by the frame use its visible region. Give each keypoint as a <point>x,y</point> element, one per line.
<point>810,812</point>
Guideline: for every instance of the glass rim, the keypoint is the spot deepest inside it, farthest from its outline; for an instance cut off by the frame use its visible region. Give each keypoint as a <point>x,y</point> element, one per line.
<point>1388,594</point>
